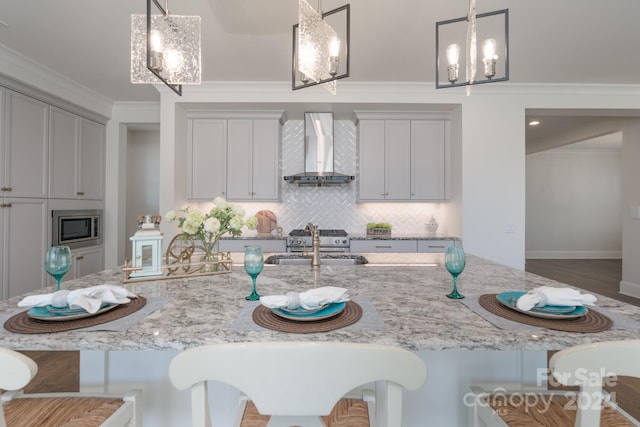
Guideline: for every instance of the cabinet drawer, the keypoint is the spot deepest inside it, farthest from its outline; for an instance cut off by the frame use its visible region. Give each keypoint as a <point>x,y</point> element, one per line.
<point>434,245</point>
<point>238,245</point>
<point>380,245</point>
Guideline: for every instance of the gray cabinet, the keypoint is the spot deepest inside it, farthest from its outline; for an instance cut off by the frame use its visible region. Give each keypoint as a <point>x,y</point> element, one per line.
<point>400,245</point>
<point>76,156</point>
<point>236,155</point>
<point>23,146</point>
<point>238,245</point>
<point>24,235</point>
<point>402,157</point>
<point>86,261</point>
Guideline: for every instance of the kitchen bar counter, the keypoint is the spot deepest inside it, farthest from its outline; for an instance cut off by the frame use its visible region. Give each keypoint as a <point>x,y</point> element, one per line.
<point>409,300</point>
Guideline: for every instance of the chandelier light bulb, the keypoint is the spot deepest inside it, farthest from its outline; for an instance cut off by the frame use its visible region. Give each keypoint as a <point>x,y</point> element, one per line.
<point>489,58</point>
<point>156,44</point>
<point>334,55</point>
<point>453,56</point>
<point>173,61</point>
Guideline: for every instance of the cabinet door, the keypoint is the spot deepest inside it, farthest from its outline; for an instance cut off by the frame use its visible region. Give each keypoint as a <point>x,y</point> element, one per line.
<point>428,167</point>
<point>64,135</point>
<point>24,240</point>
<point>397,160</point>
<point>86,261</point>
<point>371,162</point>
<point>239,159</point>
<point>25,161</point>
<point>266,160</point>
<point>90,175</point>
<point>207,159</point>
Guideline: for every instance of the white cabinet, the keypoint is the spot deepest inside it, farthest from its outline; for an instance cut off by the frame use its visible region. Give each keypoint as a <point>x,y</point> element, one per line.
<point>24,235</point>
<point>236,155</point>
<point>402,159</point>
<point>23,147</point>
<point>207,159</point>
<point>76,157</point>
<point>384,245</point>
<point>253,171</point>
<point>86,261</point>
<point>238,245</point>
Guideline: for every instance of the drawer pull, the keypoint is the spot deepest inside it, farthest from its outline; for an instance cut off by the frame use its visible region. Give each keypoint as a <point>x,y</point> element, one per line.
<point>5,205</point>
<point>80,193</point>
<point>383,247</point>
<point>79,257</point>
<point>6,189</point>
<point>436,246</point>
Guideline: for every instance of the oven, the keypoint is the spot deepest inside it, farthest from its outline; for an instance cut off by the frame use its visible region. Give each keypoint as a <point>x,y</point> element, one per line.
<point>76,228</point>
<point>330,241</point>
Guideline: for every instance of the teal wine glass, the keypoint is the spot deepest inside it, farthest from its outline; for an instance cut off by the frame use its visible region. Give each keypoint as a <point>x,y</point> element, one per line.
<point>58,262</point>
<point>454,262</point>
<point>253,264</point>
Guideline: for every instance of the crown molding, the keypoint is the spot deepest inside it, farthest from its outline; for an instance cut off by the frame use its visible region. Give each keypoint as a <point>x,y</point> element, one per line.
<point>35,75</point>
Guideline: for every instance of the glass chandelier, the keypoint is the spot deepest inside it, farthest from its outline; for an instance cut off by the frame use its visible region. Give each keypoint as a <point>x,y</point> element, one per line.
<point>318,49</point>
<point>165,48</point>
<point>492,28</point>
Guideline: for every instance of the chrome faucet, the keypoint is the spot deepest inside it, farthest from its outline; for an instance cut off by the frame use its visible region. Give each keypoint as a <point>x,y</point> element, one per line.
<point>315,245</point>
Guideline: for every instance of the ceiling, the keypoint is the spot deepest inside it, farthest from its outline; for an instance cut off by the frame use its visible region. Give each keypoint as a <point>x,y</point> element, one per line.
<point>551,41</point>
<point>566,41</point>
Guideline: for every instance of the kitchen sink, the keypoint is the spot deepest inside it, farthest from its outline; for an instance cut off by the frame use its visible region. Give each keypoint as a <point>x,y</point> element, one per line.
<point>325,259</point>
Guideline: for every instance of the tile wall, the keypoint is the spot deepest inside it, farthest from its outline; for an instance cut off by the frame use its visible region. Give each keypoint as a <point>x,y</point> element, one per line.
<point>336,207</point>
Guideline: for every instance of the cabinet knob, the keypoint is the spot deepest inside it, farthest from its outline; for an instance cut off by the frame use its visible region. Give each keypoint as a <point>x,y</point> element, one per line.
<point>80,193</point>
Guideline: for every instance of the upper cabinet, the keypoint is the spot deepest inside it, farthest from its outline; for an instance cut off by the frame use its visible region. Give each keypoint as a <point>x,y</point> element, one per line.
<point>76,156</point>
<point>23,146</point>
<point>402,157</point>
<point>236,155</point>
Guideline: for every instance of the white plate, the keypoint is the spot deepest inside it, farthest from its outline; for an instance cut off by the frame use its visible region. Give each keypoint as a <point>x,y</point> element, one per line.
<point>302,311</point>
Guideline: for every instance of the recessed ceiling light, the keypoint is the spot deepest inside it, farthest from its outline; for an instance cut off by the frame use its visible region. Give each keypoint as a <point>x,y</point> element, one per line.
<point>534,122</point>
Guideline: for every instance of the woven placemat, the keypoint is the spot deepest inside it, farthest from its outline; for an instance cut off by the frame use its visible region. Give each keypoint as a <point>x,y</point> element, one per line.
<point>263,316</point>
<point>593,321</point>
<point>21,323</point>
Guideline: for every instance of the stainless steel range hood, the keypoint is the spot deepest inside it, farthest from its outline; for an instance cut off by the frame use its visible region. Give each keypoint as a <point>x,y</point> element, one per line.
<point>318,154</point>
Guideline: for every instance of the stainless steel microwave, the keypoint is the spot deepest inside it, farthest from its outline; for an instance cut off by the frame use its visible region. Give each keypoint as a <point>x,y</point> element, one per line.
<point>76,228</point>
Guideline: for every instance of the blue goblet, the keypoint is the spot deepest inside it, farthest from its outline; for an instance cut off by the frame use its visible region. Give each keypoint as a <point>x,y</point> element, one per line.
<point>253,264</point>
<point>454,262</point>
<point>58,262</point>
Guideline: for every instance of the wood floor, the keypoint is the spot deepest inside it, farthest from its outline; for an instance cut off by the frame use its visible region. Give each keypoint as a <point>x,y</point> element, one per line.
<point>601,276</point>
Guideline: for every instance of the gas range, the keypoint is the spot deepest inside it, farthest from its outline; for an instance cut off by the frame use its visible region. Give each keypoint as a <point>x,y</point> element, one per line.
<point>330,241</point>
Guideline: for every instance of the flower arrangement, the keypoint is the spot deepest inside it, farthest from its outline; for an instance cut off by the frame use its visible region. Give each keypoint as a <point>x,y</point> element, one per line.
<point>208,227</point>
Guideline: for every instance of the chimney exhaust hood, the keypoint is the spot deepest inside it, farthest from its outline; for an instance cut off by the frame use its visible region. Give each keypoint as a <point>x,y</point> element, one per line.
<point>318,154</point>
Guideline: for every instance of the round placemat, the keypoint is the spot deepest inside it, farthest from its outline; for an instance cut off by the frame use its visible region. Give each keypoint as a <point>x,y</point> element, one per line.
<point>21,323</point>
<point>593,321</point>
<point>263,316</point>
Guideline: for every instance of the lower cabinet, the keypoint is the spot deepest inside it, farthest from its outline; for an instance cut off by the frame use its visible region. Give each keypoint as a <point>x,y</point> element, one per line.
<point>23,245</point>
<point>238,245</point>
<point>86,261</point>
<point>382,245</point>
<point>401,246</point>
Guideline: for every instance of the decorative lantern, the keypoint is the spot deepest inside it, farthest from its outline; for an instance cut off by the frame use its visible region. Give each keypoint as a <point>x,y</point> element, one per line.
<point>147,247</point>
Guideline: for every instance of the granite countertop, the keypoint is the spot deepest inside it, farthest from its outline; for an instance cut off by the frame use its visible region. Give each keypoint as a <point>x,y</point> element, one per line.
<point>409,300</point>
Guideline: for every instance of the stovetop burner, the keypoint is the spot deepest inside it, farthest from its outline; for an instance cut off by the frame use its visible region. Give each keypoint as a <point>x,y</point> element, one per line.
<point>328,232</point>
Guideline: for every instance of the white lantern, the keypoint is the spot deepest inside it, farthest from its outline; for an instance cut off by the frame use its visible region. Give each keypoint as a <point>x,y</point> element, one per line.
<point>147,248</point>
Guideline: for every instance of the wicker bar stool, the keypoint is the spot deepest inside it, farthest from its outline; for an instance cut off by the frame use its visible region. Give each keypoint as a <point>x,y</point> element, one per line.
<point>309,384</point>
<point>586,366</point>
<point>58,409</point>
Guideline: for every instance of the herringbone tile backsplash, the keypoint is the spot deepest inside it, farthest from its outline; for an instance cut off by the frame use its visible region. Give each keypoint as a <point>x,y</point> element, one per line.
<point>336,207</point>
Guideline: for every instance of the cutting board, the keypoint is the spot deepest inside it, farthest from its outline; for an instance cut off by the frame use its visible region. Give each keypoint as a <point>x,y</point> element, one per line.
<point>267,223</point>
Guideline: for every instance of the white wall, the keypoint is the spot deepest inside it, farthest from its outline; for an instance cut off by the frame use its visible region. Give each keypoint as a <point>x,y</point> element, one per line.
<point>574,201</point>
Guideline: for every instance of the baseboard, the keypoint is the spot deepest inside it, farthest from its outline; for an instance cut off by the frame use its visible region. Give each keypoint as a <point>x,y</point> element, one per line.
<point>630,289</point>
<point>573,254</point>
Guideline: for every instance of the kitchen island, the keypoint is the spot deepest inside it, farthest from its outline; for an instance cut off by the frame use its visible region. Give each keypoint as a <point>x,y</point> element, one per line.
<point>458,345</point>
